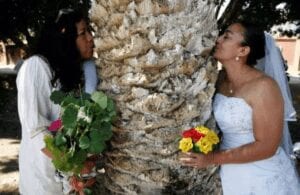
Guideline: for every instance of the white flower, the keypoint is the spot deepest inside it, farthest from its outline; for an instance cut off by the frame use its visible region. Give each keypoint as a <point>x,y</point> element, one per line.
<point>81,115</point>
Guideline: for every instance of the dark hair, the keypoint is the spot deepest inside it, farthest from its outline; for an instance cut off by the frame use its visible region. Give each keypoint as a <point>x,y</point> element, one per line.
<point>57,43</point>
<point>254,37</point>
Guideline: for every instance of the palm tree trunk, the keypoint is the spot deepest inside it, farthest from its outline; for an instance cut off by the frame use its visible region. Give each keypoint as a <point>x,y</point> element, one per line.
<point>153,60</point>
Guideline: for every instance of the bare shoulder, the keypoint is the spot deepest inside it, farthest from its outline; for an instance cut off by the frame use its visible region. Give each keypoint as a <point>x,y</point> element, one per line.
<point>266,84</point>
<point>264,89</point>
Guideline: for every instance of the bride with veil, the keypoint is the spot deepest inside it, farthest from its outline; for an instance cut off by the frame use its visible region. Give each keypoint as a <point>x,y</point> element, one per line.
<point>251,108</point>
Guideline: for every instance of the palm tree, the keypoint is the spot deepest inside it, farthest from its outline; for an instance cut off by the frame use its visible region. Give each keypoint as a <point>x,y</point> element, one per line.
<point>154,62</point>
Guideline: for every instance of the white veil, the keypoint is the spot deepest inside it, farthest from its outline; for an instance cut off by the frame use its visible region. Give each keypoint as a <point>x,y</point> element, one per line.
<point>273,65</point>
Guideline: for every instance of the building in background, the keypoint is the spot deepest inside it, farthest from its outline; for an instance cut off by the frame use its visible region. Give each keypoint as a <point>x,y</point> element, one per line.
<point>10,54</point>
<point>290,48</point>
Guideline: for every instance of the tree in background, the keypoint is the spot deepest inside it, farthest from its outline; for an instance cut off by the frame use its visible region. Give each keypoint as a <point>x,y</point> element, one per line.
<point>21,20</point>
<point>264,13</point>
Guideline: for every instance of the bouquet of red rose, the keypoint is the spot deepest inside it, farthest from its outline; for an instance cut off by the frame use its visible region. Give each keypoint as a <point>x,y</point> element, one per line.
<point>199,139</point>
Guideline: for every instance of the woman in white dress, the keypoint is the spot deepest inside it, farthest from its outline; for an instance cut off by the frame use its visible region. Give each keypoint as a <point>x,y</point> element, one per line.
<point>62,47</point>
<point>249,109</point>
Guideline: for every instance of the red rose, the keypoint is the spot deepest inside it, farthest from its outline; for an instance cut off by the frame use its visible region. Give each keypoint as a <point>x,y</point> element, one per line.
<point>192,133</point>
<point>55,125</point>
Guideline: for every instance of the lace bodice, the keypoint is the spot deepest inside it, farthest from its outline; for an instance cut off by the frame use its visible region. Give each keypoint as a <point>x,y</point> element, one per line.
<point>234,117</point>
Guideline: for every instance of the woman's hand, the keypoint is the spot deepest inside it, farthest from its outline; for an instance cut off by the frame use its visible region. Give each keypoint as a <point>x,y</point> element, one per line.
<point>196,160</point>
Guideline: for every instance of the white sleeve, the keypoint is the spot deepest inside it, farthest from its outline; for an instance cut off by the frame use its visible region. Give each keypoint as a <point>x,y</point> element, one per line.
<point>34,90</point>
<point>90,76</point>
<point>36,110</point>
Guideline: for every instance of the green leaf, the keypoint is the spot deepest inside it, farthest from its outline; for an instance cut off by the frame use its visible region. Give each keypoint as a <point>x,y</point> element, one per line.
<point>110,105</point>
<point>69,116</point>
<point>95,108</point>
<point>97,144</point>
<point>101,130</point>
<point>84,142</point>
<point>70,100</point>
<point>112,114</point>
<point>86,96</point>
<point>196,149</point>
<point>70,131</point>
<point>106,118</point>
<point>48,139</point>
<point>96,125</point>
<point>60,139</point>
<point>96,147</point>
<point>106,132</point>
<point>78,158</point>
<point>87,103</point>
<point>96,136</point>
<point>100,98</point>
<point>57,96</point>
<point>87,191</point>
<point>56,151</point>
<point>62,162</point>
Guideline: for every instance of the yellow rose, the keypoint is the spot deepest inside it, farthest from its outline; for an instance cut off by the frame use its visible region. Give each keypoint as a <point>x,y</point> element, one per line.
<point>212,137</point>
<point>186,144</point>
<point>204,145</point>
<point>202,129</point>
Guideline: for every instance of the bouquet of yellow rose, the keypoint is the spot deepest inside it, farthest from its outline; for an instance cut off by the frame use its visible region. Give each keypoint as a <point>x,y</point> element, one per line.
<point>199,139</point>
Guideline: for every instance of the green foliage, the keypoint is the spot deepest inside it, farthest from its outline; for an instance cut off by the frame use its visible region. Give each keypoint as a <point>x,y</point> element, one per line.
<point>87,191</point>
<point>86,126</point>
<point>69,117</point>
<point>264,13</point>
<point>23,19</point>
<point>57,97</point>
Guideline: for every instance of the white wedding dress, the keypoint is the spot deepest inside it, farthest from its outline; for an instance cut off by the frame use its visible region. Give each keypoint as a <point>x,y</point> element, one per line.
<point>275,175</point>
<point>36,111</point>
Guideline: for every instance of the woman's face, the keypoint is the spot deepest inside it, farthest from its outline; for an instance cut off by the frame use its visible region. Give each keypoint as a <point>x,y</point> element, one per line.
<point>228,45</point>
<point>84,41</point>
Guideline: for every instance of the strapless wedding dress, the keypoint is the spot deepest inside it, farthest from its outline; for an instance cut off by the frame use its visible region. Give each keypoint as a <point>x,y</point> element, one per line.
<point>273,176</point>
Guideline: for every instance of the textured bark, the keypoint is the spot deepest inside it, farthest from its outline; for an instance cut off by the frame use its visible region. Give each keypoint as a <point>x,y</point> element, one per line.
<point>153,61</point>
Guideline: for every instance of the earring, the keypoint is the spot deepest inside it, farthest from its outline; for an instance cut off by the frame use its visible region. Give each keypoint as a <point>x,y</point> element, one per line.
<point>237,58</point>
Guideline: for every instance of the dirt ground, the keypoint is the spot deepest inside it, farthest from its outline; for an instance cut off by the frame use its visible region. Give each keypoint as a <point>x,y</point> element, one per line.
<point>9,135</point>
<point>10,131</point>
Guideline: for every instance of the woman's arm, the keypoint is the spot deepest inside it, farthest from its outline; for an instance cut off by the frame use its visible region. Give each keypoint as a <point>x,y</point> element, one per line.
<point>267,105</point>
<point>34,89</point>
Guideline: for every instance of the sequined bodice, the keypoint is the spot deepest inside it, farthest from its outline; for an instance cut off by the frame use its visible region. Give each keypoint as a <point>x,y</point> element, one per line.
<point>234,117</point>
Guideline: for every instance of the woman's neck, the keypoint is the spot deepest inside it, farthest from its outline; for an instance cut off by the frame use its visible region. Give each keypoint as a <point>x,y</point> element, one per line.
<point>237,75</point>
